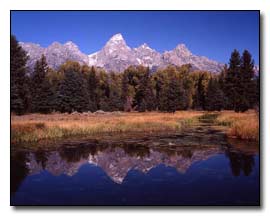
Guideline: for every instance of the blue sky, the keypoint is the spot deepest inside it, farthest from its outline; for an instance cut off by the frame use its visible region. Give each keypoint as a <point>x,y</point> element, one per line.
<point>211,34</point>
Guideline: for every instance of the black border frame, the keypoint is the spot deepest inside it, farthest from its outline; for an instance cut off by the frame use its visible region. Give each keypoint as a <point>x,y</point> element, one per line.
<point>58,207</point>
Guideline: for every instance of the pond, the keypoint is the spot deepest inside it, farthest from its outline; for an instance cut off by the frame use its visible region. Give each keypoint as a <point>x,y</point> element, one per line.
<point>174,170</point>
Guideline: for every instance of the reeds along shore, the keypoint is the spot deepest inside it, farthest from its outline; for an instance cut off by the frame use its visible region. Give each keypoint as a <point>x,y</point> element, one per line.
<point>36,127</point>
<point>240,125</point>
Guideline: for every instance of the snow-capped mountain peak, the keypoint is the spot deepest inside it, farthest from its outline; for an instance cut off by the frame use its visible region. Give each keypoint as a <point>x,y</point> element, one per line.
<point>70,44</point>
<point>183,50</point>
<point>116,40</point>
<point>117,37</point>
<point>116,56</point>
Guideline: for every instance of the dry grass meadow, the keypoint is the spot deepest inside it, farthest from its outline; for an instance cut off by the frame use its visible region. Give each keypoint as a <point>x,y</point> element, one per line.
<point>240,125</point>
<point>37,127</point>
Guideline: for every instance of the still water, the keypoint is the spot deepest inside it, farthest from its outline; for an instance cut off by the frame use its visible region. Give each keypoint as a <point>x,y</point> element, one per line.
<point>165,171</point>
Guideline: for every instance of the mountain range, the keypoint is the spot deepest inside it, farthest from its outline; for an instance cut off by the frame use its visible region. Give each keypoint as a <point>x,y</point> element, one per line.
<point>116,55</point>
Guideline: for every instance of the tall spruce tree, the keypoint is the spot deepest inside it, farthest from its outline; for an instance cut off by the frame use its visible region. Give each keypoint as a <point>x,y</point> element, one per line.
<point>233,81</point>
<point>247,82</point>
<point>41,90</point>
<point>73,94</point>
<point>214,97</point>
<point>19,80</point>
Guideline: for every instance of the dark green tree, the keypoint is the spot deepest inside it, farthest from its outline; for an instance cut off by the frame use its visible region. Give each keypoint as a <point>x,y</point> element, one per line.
<point>233,81</point>
<point>19,81</point>
<point>41,90</point>
<point>186,87</point>
<point>115,100</point>
<point>125,97</point>
<point>92,86</point>
<point>144,97</point>
<point>173,95</point>
<point>257,99</point>
<point>73,93</point>
<point>161,88</point>
<point>214,97</point>
<point>200,90</point>
<point>103,91</point>
<point>247,84</point>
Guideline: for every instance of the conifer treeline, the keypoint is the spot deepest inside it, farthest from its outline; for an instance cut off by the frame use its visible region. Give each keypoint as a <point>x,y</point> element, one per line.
<point>81,88</point>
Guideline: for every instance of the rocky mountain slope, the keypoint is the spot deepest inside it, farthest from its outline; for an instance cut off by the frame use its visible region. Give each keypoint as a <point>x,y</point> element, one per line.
<point>56,54</point>
<point>116,55</point>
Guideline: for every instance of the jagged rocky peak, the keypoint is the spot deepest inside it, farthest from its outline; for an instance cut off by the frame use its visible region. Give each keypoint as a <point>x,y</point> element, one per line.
<point>116,39</point>
<point>116,56</point>
<point>55,44</point>
<point>183,50</point>
<point>56,53</point>
<point>71,44</point>
<point>144,46</point>
<point>116,47</point>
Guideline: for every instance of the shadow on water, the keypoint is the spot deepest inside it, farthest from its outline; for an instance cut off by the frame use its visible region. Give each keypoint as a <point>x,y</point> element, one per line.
<point>199,167</point>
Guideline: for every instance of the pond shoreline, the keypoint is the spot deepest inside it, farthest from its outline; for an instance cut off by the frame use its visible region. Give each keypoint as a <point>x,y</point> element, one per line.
<point>43,130</point>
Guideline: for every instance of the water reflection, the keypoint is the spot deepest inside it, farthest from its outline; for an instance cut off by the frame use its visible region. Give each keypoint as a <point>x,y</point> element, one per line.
<point>241,156</point>
<point>19,170</point>
<point>117,161</point>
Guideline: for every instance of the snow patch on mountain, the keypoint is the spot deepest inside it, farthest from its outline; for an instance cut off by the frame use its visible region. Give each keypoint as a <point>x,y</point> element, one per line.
<point>116,55</point>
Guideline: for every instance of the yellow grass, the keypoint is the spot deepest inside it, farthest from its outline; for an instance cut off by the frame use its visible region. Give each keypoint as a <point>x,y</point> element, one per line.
<point>36,127</point>
<point>241,125</point>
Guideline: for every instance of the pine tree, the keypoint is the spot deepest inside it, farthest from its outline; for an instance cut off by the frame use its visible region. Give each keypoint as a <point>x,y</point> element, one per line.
<point>115,100</point>
<point>173,95</point>
<point>92,86</point>
<point>54,79</point>
<point>158,88</point>
<point>222,84</point>
<point>200,93</point>
<point>103,91</point>
<point>233,81</point>
<point>240,83</point>
<point>19,81</point>
<point>73,94</point>
<point>41,90</point>
<point>247,82</point>
<point>144,96</point>
<point>214,97</point>
<point>257,99</point>
<point>127,106</point>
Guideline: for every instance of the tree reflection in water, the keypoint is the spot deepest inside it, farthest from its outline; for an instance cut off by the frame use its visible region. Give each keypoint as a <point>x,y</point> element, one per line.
<point>19,170</point>
<point>241,156</point>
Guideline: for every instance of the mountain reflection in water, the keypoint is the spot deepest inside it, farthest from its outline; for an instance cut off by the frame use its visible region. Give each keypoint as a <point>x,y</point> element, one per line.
<point>137,174</point>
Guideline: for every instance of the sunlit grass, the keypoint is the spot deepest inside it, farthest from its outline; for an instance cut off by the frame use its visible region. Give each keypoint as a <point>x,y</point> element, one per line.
<point>36,127</point>
<point>241,125</point>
